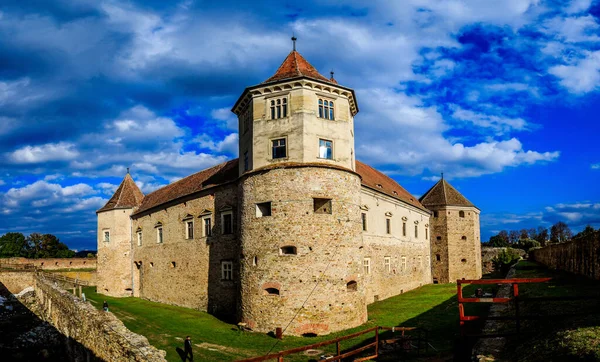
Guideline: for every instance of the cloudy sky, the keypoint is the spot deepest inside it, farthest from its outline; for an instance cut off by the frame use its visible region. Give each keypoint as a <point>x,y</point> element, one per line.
<point>501,95</point>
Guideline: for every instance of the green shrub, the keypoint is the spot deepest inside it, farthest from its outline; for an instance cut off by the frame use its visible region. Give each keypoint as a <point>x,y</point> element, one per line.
<point>505,259</point>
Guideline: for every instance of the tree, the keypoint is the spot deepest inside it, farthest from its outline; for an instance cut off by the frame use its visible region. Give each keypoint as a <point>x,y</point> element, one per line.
<point>504,235</point>
<point>527,244</point>
<point>533,234</point>
<point>13,245</point>
<point>524,234</point>
<point>589,230</point>
<point>542,235</point>
<point>513,236</point>
<point>47,246</point>
<point>498,242</point>
<point>560,232</point>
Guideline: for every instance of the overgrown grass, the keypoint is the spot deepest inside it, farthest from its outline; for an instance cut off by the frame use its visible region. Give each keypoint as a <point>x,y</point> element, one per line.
<point>433,307</point>
<point>556,338</point>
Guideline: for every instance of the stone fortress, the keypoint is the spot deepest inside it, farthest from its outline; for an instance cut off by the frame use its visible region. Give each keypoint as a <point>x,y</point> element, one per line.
<point>296,233</point>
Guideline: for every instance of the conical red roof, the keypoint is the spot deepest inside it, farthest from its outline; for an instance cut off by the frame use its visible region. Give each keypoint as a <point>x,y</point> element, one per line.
<point>295,66</point>
<point>128,195</point>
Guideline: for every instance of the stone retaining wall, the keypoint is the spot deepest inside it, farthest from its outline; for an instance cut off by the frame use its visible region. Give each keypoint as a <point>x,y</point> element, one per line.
<point>581,256</point>
<point>100,332</point>
<point>16,281</point>
<point>54,263</point>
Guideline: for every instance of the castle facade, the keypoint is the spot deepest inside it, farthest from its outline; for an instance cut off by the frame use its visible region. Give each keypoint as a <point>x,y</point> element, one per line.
<point>296,233</point>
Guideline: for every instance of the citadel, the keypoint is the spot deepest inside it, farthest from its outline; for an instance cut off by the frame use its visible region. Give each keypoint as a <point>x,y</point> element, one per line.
<point>296,229</point>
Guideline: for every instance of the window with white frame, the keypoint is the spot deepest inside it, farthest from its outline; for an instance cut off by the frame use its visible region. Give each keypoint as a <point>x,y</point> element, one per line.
<point>387,264</point>
<point>139,237</point>
<point>206,226</point>
<point>278,148</point>
<point>403,263</point>
<point>189,229</point>
<point>326,109</point>
<point>367,265</point>
<point>106,236</point>
<point>227,222</point>
<point>278,108</point>
<point>227,270</point>
<point>325,149</point>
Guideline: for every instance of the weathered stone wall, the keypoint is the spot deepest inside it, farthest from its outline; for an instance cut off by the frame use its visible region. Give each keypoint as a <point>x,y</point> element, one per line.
<point>408,252</point>
<point>581,256</point>
<point>187,271</point>
<point>54,263</point>
<point>101,333</point>
<point>16,281</point>
<point>489,253</point>
<point>114,256</point>
<point>312,283</point>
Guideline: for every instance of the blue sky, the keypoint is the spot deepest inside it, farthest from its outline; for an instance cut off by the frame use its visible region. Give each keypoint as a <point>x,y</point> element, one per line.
<point>502,96</point>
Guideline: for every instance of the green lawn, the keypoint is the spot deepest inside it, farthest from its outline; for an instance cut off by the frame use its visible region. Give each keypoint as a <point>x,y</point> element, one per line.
<point>432,307</point>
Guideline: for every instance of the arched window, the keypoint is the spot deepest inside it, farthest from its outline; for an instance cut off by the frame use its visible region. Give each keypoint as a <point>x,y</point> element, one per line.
<point>461,214</point>
<point>288,250</point>
<point>352,286</point>
<point>272,291</point>
<point>326,109</point>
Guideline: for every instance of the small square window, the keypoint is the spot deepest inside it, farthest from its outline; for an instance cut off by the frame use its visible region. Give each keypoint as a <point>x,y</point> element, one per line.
<point>403,263</point>
<point>387,264</point>
<point>227,270</point>
<point>435,214</point>
<point>263,209</point>
<point>279,149</point>
<point>367,265</point>
<point>322,206</point>
<point>325,149</point>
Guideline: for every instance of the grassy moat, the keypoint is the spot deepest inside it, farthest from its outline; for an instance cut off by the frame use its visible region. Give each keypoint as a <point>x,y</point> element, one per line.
<point>432,307</point>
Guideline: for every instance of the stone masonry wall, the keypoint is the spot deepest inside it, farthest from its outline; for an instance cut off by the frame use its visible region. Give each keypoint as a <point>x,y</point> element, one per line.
<point>187,271</point>
<point>54,263</point>
<point>581,256</point>
<point>114,256</point>
<point>464,244</point>
<point>16,281</point>
<point>320,282</point>
<point>101,333</point>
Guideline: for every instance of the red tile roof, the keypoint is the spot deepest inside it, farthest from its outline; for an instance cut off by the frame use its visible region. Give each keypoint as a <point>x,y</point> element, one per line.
<point>380,182</point>
<point>295,66</point>
<point>214,176</point>
<point>128,195</point>
<point>228,172</point>
<point>443,194</point>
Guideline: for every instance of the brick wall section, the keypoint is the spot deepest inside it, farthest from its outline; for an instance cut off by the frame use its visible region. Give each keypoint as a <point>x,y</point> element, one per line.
<point>580,256</point>
<point>54,263</point>
<point>195,279</point>
<point>16,281</point>
<point>329,250</point>
<point>101,333</point>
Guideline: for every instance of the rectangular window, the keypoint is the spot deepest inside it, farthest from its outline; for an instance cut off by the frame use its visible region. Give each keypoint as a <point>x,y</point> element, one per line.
<point>139,238</point>
<point>420,261</point>
<point>322,206</point>
<point>367,265</point>
<point>206,226</point>
<point>404,228</point>
<point>159,235</point>
<point>435,214</point>
<point>388,226</point>
<point>416,231</point>
<point>263,209</point>
<point>325,149</point>
<point>426,233</point>
<point>403,263</point>
<point>246,161</point>
<point>189,229</point>
<point>279,148</point>
<point>227,270</point>
<point>106,236</point>
<point>364,221</point>
<point>387,265</point>
<point>227,223</point>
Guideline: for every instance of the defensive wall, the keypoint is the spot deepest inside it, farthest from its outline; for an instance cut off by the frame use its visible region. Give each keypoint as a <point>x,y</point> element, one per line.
<point>53,263</point>
<point>16,281</point>
<point>580,256</point>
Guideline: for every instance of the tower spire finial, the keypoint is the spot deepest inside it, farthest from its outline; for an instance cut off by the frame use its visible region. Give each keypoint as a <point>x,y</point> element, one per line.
<point>442,175</point>
<point>294,41</point>
<point>331,73</point>
<point>128,170</point>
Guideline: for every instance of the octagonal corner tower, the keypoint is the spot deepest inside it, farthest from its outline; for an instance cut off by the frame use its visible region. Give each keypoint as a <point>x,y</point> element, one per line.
<point>299,193</point>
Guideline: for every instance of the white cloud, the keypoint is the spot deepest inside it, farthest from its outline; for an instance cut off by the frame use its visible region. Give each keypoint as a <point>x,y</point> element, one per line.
<point>228,145</point>
<point>500,125</point>
<point>595,166</point>
<point>62,151</point>
<point>225,115</point>
<point>583,76</point>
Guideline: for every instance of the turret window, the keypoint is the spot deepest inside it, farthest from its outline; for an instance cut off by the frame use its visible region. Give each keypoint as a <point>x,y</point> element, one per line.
<point>326,109</point>
<point>461,214</point>
<point>279,149</point>
<point>325,149</point>
<point>159,235</point>
<point>278,108</point>
<point>226,270</point>
<point>106,236</point>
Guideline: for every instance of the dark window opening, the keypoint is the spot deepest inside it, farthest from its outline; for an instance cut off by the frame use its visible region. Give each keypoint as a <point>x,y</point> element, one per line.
<point>463,238</point>
<point>309,335</point>
<point>461,214</point>
<point>352,286</point>
<point>173,264</point>
<point>404,229</point>
<point>263,209</point>
<point>227,224</point>
<point>322,206</point>
<point>435,281</point>
<point>463,260</point>
<point>288,250</point>
<point>435,214</point>
<point>438,257</point>
<point>272,291</point>
<point>255,261</point>
<point>438,238</point>
<point>279,148</point>
<point>388,226</point>
<point>364,221</point>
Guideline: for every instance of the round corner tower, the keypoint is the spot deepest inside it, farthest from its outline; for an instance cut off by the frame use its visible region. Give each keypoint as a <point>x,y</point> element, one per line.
<point>299,204</point>
<point>455,234</point>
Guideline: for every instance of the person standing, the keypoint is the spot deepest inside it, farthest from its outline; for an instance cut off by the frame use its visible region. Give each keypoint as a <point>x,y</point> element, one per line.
<point>188,348</point>
<point>105,306</point>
